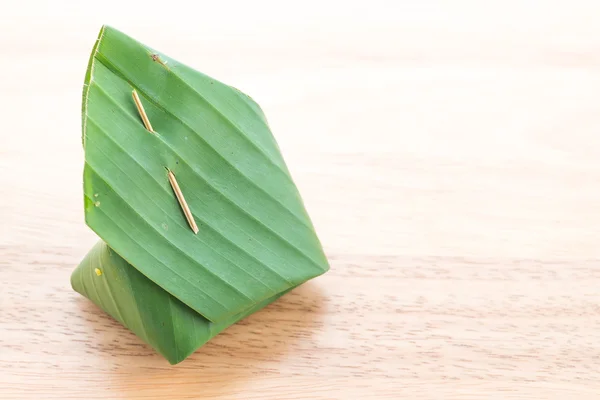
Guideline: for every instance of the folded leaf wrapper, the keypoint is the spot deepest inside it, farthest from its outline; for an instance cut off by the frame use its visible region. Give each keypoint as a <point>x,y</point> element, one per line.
<point>171,287</point>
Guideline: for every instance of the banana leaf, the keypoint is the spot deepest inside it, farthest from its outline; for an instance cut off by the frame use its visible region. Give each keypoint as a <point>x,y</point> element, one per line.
<point>173,287</point>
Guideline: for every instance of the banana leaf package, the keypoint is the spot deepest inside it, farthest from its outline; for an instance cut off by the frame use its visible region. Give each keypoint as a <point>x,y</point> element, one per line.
<point>200,221</point>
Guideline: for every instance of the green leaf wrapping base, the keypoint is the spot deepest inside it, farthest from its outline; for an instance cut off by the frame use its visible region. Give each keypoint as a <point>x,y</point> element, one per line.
<point>172,288</point>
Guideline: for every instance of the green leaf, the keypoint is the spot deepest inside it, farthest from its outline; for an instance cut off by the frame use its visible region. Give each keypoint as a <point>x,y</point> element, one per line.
<point>158,318</point>
<point>255,239</point>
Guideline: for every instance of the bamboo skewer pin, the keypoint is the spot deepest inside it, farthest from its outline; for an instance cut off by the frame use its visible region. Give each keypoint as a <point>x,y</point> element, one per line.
<point>182,202</point>
<point>140,107</point>
<point>178,193</point>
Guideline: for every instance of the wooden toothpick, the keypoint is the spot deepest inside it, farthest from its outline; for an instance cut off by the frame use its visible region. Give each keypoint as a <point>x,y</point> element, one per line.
<point>172,179</point>
<point>182,202</point>
<point>140,107</point>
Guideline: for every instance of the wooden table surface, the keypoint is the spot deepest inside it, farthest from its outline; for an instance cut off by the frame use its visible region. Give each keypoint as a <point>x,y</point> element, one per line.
<point>448,153</point>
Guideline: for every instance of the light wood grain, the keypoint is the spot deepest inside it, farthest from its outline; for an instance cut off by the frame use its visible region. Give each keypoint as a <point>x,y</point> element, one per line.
<point>448,153</point>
